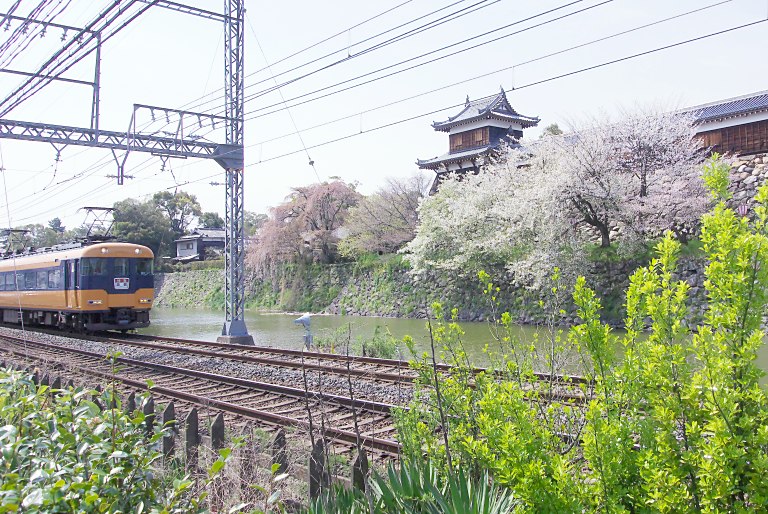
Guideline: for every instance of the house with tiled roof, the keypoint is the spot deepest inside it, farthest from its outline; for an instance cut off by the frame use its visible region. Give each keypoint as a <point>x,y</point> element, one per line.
<point>735,125</point>
<point>474,133</point>
<point>192,247</point>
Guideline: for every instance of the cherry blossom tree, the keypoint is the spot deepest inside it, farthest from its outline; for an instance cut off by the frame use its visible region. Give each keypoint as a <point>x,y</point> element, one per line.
<point>540,204</point>
<point>386,220</point>
<point>305,226</point>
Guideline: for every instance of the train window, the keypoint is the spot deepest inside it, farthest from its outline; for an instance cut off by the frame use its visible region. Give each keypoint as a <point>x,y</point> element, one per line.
<point>18,283</point>
<point>30,280</point>
<point>144,266</point>
<point>54,279</point>
<point>121,267</point>
<point>42,280</point>
<point>93,266</point>
<point>9,285</point>
<point>2,281</point>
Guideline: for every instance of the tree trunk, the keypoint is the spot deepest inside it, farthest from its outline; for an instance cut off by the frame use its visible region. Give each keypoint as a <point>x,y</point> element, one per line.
<point>605,235</point>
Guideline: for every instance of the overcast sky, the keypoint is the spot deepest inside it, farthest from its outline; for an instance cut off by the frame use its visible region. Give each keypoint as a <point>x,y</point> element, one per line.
<point>170,59</point>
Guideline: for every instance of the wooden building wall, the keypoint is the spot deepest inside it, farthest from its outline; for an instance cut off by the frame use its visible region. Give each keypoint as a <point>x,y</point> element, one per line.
<point>740,139</point>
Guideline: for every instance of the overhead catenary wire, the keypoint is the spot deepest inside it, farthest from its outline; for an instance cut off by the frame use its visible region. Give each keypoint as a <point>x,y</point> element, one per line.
<point>293,121</point>
<point>397,72</point>
<point>496,71</point>
<point>410,33</point>
<point>306,48</point>
<point>530,84</point>
<point>521,86</point>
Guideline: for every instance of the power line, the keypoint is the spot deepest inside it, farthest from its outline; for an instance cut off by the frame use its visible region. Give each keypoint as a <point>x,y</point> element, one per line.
<point>217,91</point>
<point>494,72</point>
<point>422,63</point>
<point>530,84</point>
<point>412,32</point>
<point>293,121</point>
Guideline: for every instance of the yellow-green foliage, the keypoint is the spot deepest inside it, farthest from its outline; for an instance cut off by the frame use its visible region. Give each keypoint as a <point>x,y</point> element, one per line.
<point>675,418</point>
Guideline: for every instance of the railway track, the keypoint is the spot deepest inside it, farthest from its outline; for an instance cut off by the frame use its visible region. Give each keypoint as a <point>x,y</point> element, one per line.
<point>266,403</point>
<point>370,368</point>
<point>384,380</point>
<point>366,368</point>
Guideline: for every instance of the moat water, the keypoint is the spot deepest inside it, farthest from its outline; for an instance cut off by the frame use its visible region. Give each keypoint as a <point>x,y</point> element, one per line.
<point>280,331</point>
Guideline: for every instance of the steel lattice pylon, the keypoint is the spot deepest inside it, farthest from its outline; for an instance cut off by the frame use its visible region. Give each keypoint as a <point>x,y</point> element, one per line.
<point>110,21</point>
<point>234,107</point>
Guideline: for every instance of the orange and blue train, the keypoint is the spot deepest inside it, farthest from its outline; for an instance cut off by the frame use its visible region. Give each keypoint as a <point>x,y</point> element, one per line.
<point>102,286</point>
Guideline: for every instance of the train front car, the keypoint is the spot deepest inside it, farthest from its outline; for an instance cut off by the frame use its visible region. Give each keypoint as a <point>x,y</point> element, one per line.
<point>105,286</point>
<point>112,285</point>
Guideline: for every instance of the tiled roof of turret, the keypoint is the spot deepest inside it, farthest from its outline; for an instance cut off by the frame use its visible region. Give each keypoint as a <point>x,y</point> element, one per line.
<point>496,106</point>
<point>453,157</point>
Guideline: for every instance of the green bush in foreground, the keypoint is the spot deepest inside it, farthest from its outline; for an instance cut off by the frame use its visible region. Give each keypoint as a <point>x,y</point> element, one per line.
<point>61,453</point>
<point>679,424</point>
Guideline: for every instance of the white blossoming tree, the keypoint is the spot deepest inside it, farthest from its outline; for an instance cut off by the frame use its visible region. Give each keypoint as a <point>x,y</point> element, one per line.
<point>539,205</point>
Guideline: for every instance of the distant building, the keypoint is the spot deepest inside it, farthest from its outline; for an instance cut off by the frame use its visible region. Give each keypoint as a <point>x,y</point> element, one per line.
<point>475,133</point>
<point>736,125</point>
<point>191,247</point>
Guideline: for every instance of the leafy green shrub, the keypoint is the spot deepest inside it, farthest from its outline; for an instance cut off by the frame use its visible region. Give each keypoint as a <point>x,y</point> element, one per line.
<point>61,453</point>
<point>679,424</point>
<point>382,344</point>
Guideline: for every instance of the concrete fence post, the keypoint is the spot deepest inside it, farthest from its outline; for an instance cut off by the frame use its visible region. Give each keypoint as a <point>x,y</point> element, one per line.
<point>279,454</point>
<point>130,403</point>
<point>319,476</point>
<point>169,439</point>
<point>149,416</point>
<point>191,439</point>
<point>96,397</point>
<point>360,470</point>
<point>217,432</point>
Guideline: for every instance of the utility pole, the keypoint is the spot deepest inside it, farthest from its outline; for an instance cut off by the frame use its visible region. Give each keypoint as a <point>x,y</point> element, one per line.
<point>234,330</point>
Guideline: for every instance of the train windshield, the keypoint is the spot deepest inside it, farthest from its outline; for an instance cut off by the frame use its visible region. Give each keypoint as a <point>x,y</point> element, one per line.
<point>144,267</point>
<point>121,267</point>
<point>93,266</point>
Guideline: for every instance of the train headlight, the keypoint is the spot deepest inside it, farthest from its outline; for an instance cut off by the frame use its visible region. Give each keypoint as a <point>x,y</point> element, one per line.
<point>94,302</point>
<point>145,300</point>
<point>138,251</point>
<point>104,250</point>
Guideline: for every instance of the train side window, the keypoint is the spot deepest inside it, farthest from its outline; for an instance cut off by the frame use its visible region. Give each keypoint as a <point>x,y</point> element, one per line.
<point>19,281</point>
<point>144,266</point>
<point>42,280</point>
<point>9,285</point>
<point>54,279</point>
<point>2,281</point>
<point>30,280</point>
<point>121,267</point>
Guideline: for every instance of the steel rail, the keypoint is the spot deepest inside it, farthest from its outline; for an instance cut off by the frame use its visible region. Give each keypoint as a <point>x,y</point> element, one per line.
<point>338,370</point>
<point>397,364</point>
<point>380,444</point>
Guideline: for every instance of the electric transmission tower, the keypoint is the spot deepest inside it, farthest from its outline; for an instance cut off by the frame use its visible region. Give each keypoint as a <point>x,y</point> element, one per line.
<point>88,40</point>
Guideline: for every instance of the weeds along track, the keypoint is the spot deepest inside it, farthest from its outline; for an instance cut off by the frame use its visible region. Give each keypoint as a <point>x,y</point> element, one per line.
<point>266,403</point>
